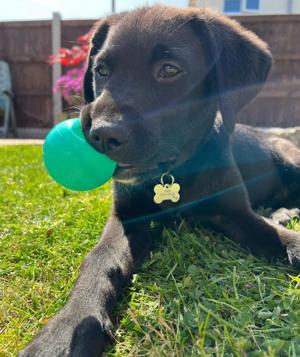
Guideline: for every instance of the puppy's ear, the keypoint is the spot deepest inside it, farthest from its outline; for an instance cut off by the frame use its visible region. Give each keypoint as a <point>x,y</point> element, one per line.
<point>99,33</point>
<point>98,38</point>
<point>238,62</point>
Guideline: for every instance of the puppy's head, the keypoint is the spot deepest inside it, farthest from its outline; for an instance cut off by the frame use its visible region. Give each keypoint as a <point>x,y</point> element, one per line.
<point>155,80</point>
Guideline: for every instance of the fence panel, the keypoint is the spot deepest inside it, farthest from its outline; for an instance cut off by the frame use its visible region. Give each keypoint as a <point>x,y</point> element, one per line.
<point>25,45</point>
<point>278,104</point>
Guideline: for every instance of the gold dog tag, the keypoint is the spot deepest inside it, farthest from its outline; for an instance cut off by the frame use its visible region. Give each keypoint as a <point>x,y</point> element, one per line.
<point>166,192</point>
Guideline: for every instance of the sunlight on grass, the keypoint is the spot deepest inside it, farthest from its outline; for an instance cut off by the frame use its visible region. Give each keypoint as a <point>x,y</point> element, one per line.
<point>197,295</point>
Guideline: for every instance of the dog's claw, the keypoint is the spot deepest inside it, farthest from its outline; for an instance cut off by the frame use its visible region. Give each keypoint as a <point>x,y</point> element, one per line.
<point>293,253</point>
<point>110,336</point>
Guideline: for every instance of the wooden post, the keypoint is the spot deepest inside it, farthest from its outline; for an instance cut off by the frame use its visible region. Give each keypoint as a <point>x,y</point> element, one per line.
<point>290,6</point>
<point>56,67</point>
<point>193,3</point>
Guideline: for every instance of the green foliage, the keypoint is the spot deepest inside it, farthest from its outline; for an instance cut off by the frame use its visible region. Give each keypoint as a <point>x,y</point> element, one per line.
<point>197,295</point>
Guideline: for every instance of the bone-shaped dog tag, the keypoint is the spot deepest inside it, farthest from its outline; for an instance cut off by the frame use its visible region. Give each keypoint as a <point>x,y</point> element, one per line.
<point>166,192</point>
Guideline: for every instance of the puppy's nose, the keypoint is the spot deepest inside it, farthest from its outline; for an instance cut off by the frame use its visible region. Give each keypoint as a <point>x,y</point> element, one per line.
<point>109,138</point>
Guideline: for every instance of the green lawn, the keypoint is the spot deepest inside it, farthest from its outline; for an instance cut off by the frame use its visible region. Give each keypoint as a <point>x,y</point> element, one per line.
<point>198,295</point>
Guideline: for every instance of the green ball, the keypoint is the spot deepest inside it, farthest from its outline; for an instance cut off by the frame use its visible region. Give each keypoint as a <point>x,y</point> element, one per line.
<point>71,161</point>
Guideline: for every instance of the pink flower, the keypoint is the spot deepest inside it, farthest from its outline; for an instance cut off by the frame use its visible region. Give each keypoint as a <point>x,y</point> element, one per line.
<point>70,83</point>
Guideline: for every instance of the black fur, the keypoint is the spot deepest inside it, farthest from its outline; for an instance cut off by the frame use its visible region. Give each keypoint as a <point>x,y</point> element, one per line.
<point>184,126</point>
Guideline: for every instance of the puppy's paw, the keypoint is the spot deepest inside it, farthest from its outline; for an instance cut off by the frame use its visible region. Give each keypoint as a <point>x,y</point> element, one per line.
<point>67,337</point>
<point>293,253</point>
<point>88,338</point>
<point>284,216</point>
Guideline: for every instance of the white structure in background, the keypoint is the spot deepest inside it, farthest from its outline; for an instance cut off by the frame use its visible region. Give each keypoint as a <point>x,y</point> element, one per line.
<point>57,106</point>
<point>251,7</point>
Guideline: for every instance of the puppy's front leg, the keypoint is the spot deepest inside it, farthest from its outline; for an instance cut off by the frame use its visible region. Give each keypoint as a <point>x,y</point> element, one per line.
<point>81,327</point>
<point>261,235</point>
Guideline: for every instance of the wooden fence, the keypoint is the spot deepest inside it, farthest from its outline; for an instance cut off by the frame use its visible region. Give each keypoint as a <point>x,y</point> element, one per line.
<point>26,46</point>
<point>279,102</point>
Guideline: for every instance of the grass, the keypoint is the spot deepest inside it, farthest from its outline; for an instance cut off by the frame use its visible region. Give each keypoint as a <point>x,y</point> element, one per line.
<point>197,295</point>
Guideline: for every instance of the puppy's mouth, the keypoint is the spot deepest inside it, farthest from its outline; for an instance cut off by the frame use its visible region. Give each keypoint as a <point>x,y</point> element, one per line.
<point>133,174</point>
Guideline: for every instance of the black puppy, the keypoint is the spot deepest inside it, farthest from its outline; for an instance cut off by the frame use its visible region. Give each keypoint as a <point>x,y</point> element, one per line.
<point>163,87</point>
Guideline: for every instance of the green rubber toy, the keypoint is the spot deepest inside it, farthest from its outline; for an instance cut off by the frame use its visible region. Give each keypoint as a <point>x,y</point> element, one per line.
<point>71,161</point>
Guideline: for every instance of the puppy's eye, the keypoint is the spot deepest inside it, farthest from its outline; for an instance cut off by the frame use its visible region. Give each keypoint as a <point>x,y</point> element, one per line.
<point>102,70</point>
<point>168,70</point>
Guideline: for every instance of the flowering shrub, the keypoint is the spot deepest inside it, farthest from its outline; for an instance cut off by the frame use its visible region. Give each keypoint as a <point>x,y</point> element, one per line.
<point>70,83</point>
